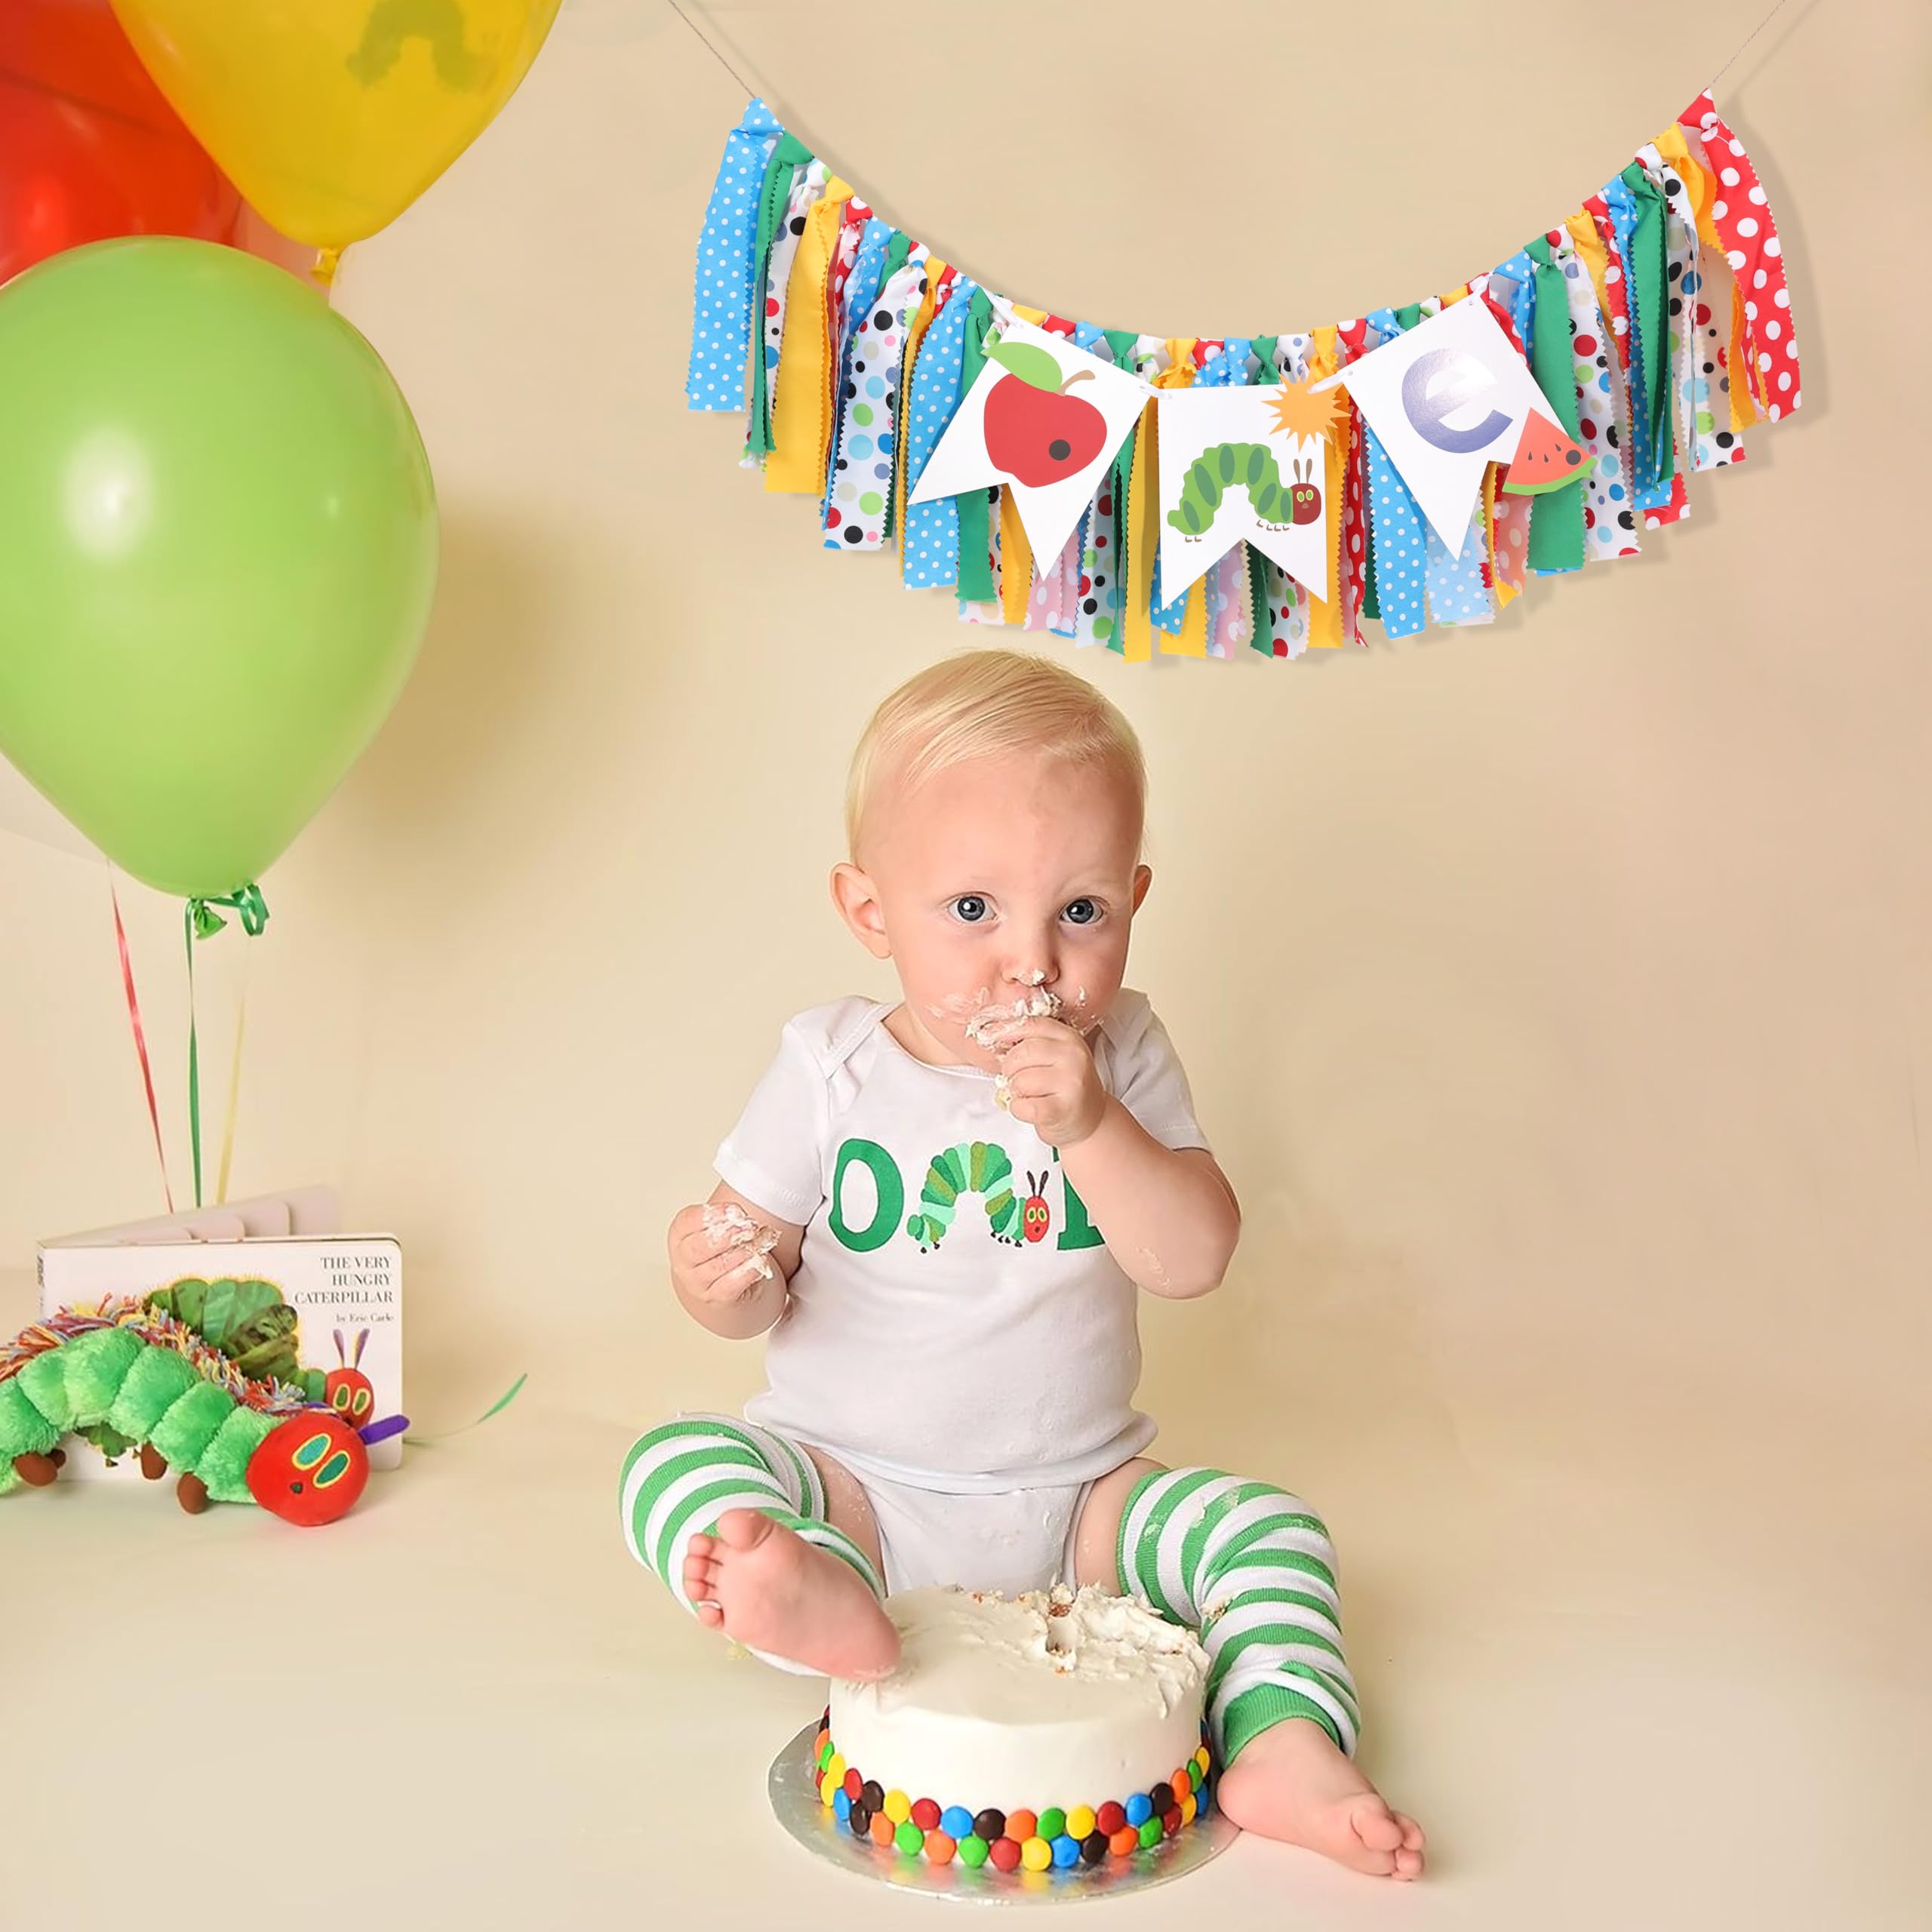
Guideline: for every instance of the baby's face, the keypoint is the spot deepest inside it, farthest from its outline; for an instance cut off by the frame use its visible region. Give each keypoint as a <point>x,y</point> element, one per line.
<point>995,879</point>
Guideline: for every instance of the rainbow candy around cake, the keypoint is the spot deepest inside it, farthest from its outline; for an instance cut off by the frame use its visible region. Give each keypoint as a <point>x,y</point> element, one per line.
<point>1053,1730</point>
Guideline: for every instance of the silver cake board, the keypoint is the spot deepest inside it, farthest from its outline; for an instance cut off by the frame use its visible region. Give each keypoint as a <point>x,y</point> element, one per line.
<point>795,1802</point>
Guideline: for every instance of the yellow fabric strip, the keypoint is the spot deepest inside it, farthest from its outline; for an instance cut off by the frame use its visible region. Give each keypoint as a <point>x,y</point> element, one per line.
<point>1191,640</point>
<point>915,336</point>
<point>1324,619</point>
<point>1675,149</point>
<point>801,400</point>
<point>1505,592</point>
<point>1016,561</point>
<point>1038,317</point>
<point>1741,413</point>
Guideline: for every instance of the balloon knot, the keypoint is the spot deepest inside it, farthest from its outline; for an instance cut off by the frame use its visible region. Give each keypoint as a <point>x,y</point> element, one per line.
<point>246,902</point>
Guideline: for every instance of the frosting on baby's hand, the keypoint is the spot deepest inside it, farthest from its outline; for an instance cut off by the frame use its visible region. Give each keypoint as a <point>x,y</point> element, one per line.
<point>730,1226</point>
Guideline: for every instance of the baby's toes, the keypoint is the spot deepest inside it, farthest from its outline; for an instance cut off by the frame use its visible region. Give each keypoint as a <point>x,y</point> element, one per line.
<point>1412,1837</point>
<point>1408,1863</point>
<point>1376,1826</point>
<point>700,1578</point>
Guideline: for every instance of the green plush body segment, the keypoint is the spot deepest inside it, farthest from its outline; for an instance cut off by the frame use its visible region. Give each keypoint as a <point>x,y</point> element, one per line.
<point>224,1462</point>
<point>182,1435</point>
<point>157,1380</point>
<point>1228,467</point>
<point>976,1167</point>
<point>24,1431</point>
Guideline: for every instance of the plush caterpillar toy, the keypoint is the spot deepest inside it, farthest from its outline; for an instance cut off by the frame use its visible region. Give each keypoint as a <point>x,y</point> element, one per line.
<point>153,1380</point>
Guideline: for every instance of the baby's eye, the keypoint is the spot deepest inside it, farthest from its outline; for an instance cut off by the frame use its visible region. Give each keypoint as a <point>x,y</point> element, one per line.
<point>970,909</point>
<point>1082,913</point>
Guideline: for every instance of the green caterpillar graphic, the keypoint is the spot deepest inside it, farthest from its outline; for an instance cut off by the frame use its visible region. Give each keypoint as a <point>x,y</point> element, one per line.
<point>152,1381</point>
<point>974,1167</point>
<point>1249,466</point>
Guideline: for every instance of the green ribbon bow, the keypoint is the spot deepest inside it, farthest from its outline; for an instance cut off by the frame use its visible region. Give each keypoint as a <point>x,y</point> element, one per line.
<point>247,903</point>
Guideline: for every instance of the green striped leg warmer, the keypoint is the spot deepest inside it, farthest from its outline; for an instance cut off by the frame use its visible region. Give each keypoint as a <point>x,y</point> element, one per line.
<point>679,1478</point>
<point>1251,1566</point>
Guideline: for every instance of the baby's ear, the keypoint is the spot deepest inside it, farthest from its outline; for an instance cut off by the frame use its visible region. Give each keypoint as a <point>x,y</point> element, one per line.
<point>857,897</point>
<point>1143,877</point>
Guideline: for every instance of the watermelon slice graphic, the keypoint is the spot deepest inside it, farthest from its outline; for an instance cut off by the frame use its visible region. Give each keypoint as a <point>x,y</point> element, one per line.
<point>1545,458</point>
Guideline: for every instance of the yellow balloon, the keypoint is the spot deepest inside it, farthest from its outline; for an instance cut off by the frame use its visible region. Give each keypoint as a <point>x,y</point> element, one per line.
<point>332,116</point>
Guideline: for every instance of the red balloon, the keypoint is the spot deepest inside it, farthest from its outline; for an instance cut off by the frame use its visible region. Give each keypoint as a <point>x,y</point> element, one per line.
<point>88,147</point>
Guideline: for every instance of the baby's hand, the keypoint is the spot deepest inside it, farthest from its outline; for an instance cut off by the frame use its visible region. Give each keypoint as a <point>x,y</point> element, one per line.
<point>1051,1083</point>
<point>720,1253</point>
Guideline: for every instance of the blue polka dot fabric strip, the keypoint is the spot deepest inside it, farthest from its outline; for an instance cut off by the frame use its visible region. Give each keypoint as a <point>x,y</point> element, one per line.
<point>932,530</point>
<point>1401,581</point>
<point>722,301</point>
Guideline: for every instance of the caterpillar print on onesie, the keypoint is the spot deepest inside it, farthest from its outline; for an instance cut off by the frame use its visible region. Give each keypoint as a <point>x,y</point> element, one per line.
<point>1249,466</point>
<point>973,1167</point>
<point>153,1381</point>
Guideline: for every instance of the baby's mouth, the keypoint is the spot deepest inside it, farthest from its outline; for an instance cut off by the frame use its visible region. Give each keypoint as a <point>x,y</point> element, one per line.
<point>993,1025</point>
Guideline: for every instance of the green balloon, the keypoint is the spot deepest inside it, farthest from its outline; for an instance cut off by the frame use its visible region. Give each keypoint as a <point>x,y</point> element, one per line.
<point>217,551</point>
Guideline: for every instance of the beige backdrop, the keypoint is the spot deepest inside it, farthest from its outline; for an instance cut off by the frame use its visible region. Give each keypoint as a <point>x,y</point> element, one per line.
<point>1557,994</point>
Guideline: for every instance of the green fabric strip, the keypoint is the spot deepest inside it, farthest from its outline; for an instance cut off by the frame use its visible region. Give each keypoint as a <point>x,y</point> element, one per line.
<point>1371,605</point>
<point>1556,516</point>
<point>1259,1707</point>
<point>1410,316</point>
<point>1649,270</point>
<point>976,570</point>
<point>1123,343</point>
<point>776,192</point>
<point>1262,639</point>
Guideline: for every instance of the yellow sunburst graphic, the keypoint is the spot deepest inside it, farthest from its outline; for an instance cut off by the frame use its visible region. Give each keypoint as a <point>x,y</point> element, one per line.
<point>1300,411</point>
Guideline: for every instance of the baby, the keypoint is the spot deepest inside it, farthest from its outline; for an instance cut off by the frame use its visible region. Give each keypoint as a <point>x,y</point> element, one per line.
<point>940,1211</point>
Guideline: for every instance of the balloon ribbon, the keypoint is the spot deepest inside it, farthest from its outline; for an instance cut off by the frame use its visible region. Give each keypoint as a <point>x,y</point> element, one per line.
<point>502,1402</point>
<point>199,920</point>
<point>140,1037</point>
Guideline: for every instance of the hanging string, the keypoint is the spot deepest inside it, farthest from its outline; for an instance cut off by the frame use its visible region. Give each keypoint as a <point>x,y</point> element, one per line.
<point>750,91</point>
<point>1746,42</point>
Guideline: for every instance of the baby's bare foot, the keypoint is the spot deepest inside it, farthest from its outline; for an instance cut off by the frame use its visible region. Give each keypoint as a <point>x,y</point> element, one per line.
<point>766,1586</point>
<point>1291,1783</point>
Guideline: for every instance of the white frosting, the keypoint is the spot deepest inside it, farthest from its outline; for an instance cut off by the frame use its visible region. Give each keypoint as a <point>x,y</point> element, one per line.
<point>1053,1698</point>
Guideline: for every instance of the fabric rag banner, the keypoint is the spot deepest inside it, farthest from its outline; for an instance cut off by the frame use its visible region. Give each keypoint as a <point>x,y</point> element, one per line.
<point>1421,464</point>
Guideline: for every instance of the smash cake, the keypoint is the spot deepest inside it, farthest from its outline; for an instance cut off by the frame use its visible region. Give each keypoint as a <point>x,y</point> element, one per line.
<point>1055,1728</point>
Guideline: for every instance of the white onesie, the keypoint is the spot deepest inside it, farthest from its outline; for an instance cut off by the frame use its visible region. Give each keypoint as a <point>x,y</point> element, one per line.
<point>956,1326</point>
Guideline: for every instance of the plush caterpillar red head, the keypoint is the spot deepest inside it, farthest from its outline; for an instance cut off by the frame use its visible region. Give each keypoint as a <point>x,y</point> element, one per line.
<point>346,1389</point>
<point>312,1469</point>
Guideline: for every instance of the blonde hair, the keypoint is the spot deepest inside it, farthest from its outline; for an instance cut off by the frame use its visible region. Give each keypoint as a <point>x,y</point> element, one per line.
<point>989,704</point>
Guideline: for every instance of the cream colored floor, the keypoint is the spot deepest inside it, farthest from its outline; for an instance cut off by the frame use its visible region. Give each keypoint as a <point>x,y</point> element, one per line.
<point>1685,1686</point>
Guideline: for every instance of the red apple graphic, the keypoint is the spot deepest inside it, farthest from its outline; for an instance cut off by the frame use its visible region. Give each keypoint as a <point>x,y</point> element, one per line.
<point>1035,430</point>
